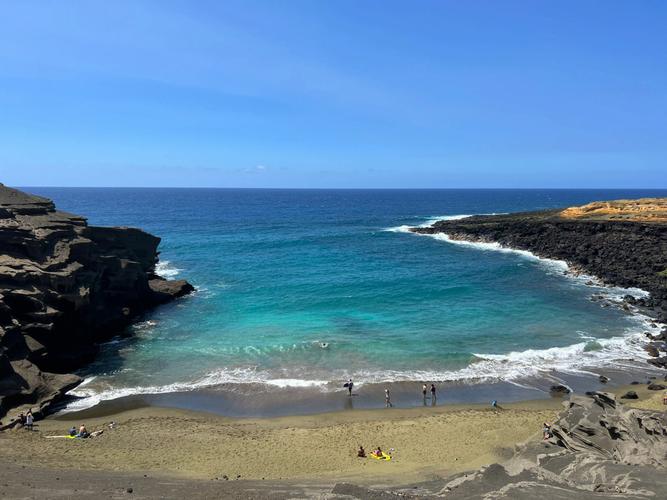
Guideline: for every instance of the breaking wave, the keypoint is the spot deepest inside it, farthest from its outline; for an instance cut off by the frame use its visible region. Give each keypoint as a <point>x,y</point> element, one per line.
<point>166,270</point>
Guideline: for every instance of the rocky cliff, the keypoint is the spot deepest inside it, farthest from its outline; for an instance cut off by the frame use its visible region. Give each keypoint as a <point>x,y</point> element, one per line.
<point>65,286</point>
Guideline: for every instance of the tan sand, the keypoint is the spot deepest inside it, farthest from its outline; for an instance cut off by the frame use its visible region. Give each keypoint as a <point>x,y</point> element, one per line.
<point>428,442</point>
<point>648,400</point>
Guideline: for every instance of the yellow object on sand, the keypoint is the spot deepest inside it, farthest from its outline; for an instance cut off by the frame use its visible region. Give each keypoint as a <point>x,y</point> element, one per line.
<point>383,456</point>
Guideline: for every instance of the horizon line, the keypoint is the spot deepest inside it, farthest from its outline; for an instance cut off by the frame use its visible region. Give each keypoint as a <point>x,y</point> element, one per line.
<point>353,188</point>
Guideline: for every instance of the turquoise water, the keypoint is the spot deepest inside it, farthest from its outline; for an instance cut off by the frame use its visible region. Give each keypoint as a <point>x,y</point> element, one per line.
<point>310,287</point>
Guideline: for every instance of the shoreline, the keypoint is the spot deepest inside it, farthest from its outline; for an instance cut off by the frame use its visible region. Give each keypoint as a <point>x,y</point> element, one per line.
<point>428,443</point>
<point>255,399</point>
<point>164,444</point>
<point>250,401</point>
<point>641,303</point>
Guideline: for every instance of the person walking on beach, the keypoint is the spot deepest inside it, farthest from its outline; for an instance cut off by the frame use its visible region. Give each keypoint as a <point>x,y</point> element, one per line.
<point>387,399</point>
<point>433,397</point>
<point>29,420</point>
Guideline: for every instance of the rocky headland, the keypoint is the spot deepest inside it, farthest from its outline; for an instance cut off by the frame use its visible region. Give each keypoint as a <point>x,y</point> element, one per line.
<point>65,287</point>
<point>623,243</point>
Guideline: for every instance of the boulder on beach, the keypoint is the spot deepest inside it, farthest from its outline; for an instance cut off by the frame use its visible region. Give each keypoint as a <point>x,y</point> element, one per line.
<point>559,390</point>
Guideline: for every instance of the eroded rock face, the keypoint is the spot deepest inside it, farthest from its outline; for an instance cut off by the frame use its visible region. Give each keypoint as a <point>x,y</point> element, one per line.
<point>598,425</point>
<point>64,287</point>
<point>600,449</point>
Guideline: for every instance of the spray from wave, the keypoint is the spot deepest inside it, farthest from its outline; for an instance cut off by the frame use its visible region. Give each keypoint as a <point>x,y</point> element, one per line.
<point>165,269</point>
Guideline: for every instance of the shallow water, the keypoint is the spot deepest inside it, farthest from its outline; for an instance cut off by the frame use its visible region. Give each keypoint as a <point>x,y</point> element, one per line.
<point>305,288</point>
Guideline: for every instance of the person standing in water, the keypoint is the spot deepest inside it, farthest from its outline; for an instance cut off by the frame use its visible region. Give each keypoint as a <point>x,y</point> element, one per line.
<point>350,385</point>
<point>387,399</point>
<point>433,397</point>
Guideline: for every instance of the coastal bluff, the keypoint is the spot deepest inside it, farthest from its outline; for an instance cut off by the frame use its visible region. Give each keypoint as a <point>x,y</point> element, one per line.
<point>65,287</point>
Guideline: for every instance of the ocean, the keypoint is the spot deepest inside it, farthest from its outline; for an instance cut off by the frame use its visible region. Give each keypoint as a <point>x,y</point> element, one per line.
<point>303,289</point>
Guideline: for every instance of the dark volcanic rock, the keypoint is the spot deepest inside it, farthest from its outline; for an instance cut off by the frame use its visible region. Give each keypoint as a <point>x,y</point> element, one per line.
<point>656,387</point>
<point>630,395</point>
<point>621,253</point>
<point>660,362</point>
<point>652,350</point>
<point>559,390</point>
<point>64,287</point>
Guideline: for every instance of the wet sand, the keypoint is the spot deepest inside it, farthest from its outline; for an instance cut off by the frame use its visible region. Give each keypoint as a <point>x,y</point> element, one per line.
<point>261,401</point>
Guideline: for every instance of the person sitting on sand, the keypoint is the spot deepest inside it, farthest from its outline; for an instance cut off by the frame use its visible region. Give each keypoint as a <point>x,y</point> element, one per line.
<point>83,432</point>
<point>546,431</point>
<point>361,453</point>
<point>72,431</point>
<point>377,452</point>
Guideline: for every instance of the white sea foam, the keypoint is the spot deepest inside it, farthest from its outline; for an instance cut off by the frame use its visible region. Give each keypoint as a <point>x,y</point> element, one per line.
<point>612,292</point>
<point>555,264</point>
<point>583,358</point>
<point>91,396</point>
<point>166,270</point>
<point>429,222</point>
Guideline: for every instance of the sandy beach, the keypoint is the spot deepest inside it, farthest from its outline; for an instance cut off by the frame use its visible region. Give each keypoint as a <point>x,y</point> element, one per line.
<point>427,442</point>
<point>169,453</point>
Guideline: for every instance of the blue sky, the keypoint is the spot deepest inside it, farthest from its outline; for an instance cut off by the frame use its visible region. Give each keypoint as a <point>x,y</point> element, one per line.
<point>334,94</point>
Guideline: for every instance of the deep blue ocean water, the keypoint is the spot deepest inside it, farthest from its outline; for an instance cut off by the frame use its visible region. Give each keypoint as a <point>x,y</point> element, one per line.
<point>310,287</point>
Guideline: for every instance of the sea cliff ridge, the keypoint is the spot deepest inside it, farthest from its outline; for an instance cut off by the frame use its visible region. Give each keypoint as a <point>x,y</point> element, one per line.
<point>65,287</point>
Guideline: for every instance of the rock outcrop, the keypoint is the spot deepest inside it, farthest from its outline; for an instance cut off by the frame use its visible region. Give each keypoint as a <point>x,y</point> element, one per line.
<point>65,286</point>
<point>600,448</point>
